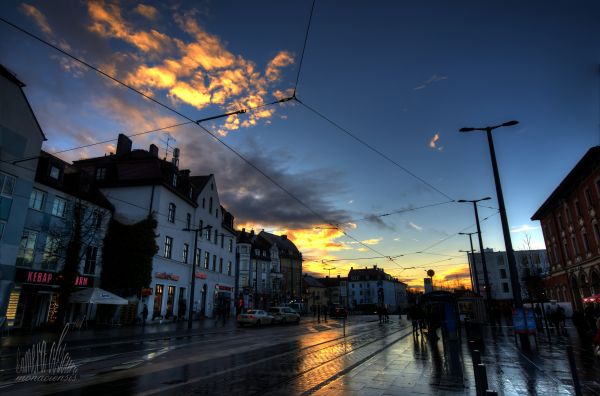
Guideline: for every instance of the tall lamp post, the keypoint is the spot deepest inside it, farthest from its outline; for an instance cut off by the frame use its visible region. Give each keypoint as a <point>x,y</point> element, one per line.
<point>512,265</point>
<point>474,267</point>
<point>470,270</point>
<point>194,264</point>
<point>486,279</point>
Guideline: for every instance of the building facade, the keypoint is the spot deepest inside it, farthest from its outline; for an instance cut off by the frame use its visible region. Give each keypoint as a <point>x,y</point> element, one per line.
<point>529,263</point>
<point>371,287</point>
<point>337,290</point>
<point>58,192</point>
<point>569,219</point>
<point>21,140</point>
<point>138,183</point>
<point>290,261</point>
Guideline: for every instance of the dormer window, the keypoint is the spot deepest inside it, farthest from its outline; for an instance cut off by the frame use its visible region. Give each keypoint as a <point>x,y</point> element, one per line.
<point>174,181</point>
<point>100,173</point>
<point>54,172</point>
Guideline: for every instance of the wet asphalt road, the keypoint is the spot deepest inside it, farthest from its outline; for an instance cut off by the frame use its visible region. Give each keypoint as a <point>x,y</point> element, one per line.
<point>235,360</point>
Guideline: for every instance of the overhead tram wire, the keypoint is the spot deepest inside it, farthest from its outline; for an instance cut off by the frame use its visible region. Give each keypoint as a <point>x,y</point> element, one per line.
<point>312,9</point>
<point>397,212</point>
<point>370,147</point>
<point>196,122</point>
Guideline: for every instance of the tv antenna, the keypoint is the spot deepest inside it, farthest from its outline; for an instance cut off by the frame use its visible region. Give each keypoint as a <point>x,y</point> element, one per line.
<point>167,140</point>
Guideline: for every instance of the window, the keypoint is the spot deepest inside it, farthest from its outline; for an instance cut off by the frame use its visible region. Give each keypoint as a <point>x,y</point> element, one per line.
<point>54,172</point>
<point>206,259</point>
<point>174,181</point>
<point>191,193</point>
<point>575,246</point>
<point>188,221</point>
<point>586,242</point>
<point>168,246</point>
<point>184,256</point>
<point>214,266</point>
<point>257,252</point>
<point>244,265</point>
<point>100,173</point>
<point>36,199</point>
<point>58,207</point>
<point>217,213</point>
<point>2,225</point>
<point>97,218</point>
<point>229,268</point>
<point>560,223</point>
<point>244,281</point>
<point>216,236</point>
<point>91,254</point>
<point>7,184</point>
<point>568,212</point>
<point>26,253</point>
<point>197,258</point>
<point>597,233</point>
<point>51,251</point>
<point>200,226</point>
<point>230,245</point>
<point>221,265</point>
<point>588,197</point>
<point>222,240</point>
<point>171,215</point>
<point>577,209</point>
<point>244,249</point>
<point>210,202</point>
<point>505,287</point>
<point>502,273</point>
<point>207,234</point>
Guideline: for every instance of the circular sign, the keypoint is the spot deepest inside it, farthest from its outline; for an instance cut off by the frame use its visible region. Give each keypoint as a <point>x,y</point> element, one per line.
<point>430,273</point>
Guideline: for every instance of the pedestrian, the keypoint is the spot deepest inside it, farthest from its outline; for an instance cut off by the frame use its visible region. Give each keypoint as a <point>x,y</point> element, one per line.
<point>380,314</point>
<point>560,317</point>
<point>386,314</point>
<point>412,315</point>
<point>313,309</point>
<point>144,314</point>
<point>181,310</point>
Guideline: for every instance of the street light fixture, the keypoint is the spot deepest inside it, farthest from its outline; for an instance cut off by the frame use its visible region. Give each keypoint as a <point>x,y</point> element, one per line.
<point>193,281</point>
<point>512,265</point>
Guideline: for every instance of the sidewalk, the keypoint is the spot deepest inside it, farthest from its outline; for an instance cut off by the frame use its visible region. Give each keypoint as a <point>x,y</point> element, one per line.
<point>116,334</point>
<point>415,366</point>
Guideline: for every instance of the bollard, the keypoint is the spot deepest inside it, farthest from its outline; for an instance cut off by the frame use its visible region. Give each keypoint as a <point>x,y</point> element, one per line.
<point>573,366</point>
<point>481,383</point>
<point>476,356</point>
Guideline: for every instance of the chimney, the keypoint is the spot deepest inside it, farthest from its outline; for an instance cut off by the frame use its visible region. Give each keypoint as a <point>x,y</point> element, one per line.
<point>284,237</point>
<point>153,150</point>
<point>338,277</point>
<point>123,145</point>
<point>175,159</point>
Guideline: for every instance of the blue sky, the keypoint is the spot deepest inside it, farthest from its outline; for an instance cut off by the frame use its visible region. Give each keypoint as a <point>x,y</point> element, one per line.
<point>394,73</point>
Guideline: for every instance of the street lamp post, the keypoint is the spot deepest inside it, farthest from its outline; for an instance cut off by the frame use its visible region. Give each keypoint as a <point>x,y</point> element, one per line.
<point>512,265</point>
<point>193,281</point>
<point>474,267</point>
<point>486,279</point>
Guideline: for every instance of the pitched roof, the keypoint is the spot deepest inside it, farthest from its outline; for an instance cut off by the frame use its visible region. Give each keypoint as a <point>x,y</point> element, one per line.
<point>372,273</point>
<point>332,282</point>
<point>586,165</point>
<point>286,247</point>
<point>200,181</point>
<point>311,282</point>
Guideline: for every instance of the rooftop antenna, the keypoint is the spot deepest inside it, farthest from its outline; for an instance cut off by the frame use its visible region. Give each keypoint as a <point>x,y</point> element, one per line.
<point>167,139</point>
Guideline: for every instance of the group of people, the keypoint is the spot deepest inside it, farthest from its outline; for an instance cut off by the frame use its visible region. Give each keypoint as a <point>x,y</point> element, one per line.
<point>383,313</point>
<point>318,310</point>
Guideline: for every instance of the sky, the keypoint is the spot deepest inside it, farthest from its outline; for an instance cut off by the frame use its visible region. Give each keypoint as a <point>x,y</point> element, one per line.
<point>400,77</point>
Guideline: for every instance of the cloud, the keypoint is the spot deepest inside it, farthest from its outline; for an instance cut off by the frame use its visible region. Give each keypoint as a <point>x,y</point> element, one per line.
<point>415,226</point>
<point>38,17</point>
<point>523,228</point>
<point>372,241</point>
<point>433,143</point>
<point>146,11</point>
<point>433,79</point>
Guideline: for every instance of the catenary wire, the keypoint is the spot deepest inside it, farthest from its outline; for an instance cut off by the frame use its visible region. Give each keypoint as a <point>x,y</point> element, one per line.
<point>312,9</point>
<point>150,98</point>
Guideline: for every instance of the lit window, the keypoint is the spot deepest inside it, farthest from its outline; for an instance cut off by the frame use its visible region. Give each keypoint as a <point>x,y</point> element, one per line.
<point>26,253</point>
<point>36,199</point>
<point>229,268</point>
<point>214,265</point>
<point>168,246</point>
<point>54,172</point>
<point>58,207</point>
<point>230,245</point>
<point>171,215</point>
<point>206,259</point>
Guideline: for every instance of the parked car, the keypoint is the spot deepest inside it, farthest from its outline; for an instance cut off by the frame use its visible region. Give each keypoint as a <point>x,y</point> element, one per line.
<point>255,317</point>
<point>338,312</point>
<point>284,315</point>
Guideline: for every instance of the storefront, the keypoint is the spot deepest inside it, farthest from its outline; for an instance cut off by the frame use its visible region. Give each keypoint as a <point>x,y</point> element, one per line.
<point>223,298</point>
<point>169,295</point>
<point>34,300</point>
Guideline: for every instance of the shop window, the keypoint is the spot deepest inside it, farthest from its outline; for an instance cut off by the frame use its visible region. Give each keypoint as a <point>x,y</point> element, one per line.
<point>158,297</point>
<point>170,301</point>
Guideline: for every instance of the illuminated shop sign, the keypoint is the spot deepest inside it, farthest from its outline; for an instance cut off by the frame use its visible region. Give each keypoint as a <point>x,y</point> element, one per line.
<point>49,278</point>
<point>164,275</point>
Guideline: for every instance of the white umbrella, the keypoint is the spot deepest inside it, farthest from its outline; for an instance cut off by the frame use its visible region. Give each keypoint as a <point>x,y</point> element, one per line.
<point>95,295</point>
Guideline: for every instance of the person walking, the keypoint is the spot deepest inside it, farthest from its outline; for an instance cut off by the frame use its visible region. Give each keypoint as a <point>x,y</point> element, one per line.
<point>380,314</point>
<point>144,314</point>
<point>412,315</point>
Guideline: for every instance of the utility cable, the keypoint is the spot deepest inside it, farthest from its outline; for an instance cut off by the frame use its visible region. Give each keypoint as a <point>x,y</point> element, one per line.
<point>370,147</point>
<point>196,122</point>
<point>303,48</point>
<point>397,212</point>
